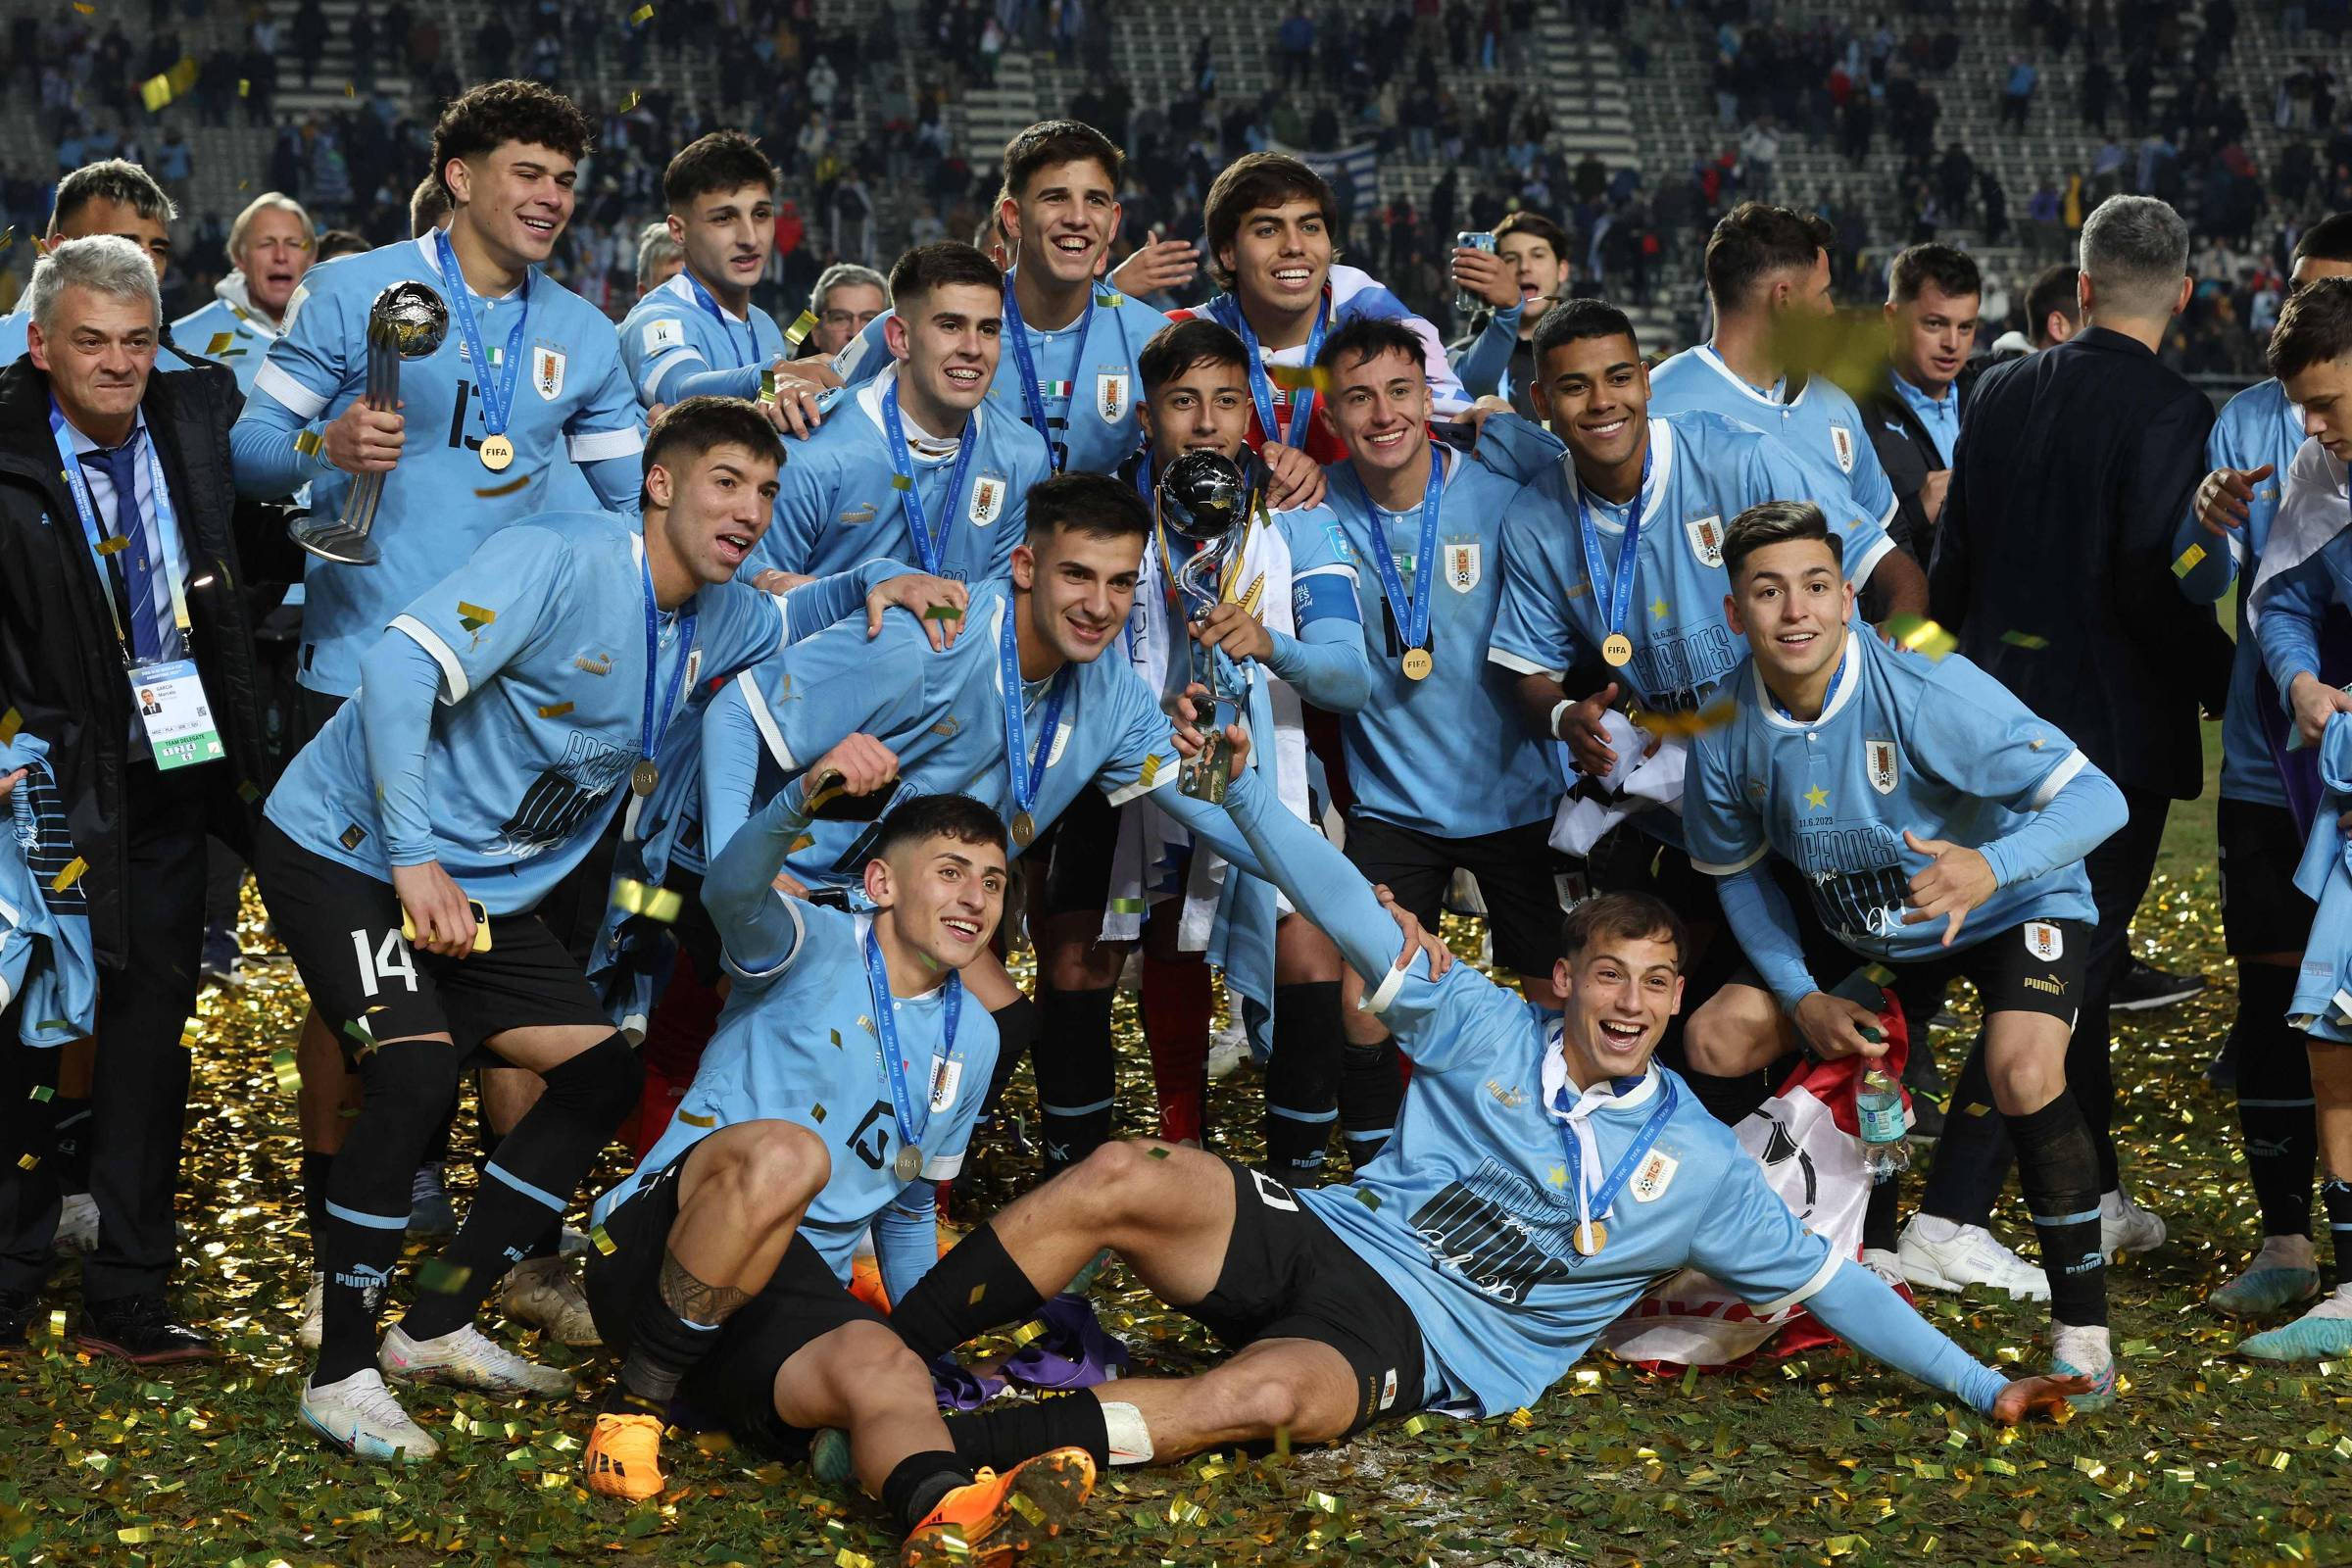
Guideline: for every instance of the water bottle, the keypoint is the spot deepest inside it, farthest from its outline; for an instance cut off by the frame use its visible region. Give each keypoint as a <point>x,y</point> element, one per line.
<point>1879,1106</point>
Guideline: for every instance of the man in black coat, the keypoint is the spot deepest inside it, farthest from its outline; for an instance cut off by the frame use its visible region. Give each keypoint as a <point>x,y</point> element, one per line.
<point>108,582</point>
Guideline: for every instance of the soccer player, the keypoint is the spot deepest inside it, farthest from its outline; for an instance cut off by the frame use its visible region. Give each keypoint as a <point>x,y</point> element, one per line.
<point>1937,826</point>
<point>1767,265</point>
<point>845,302</point>
<point>2265,918</point>
<point>918,463</point>
<point>1932,297</point>
<point>1544,1174</point>
<point>404,849</point>
<point>109,197</point>
<point>2310,352</point>
<point>270,246</point>
<point>731,1243</point>
<point>1525,275</point>
<point>1114,875</point>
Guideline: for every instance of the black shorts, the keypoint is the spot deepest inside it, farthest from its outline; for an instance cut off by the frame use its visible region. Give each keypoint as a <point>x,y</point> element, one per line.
<point>733,1388</point>
<point>342,928</point>
<point>1519,875</point>
<point>1077,856</point>
<point>2262,910</point>
<point>1286,1277</point>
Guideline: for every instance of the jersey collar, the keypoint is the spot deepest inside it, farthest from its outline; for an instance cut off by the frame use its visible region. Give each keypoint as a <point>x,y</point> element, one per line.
<point>432,265</point>
<point>1775,399</point>
<point>1661,470</point>
<point>679,289</point>
<point>1842,685</point>
<point>869,403</point>
<point>1621,1094</point>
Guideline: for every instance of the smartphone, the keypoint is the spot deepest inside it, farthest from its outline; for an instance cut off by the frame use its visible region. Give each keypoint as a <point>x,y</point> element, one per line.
<point>1466,240</point>
<point>1453,433</point>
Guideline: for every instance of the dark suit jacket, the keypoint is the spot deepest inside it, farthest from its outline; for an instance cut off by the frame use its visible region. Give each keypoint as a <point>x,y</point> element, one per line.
<point>1909,455</point>
<point>2075,467</point>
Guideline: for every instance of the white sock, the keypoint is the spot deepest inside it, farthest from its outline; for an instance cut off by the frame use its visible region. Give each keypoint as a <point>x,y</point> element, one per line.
<point>2284,1252</point>
<point>1129,1436</point>
<point>2083,1345</point>
<point>1934,1228</point>
<point>2336,1304</point>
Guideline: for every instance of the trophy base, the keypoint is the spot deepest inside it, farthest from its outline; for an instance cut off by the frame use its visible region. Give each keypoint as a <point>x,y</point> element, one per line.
<point>333,539</point>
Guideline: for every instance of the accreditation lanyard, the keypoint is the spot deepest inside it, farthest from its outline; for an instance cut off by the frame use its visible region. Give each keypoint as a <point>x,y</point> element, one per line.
<point>1261,389</point>
<point>656,720</point>
<point>1028,765</point>
<point>930,552</point>
<point>1576,1135</point>
<point>102,544</point>
<point>496,384</point>
<point>1412,610</point>
<point>1629,553</point>
<point>1033,396</point>
<point>726,323</point>
<point>894,1066</point>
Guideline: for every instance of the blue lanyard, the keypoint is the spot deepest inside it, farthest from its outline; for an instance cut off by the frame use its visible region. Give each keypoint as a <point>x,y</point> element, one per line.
<point>1032,395</point>
<point>1621,582</point>
<point>167,525</point>
<point>930,552</point>
<point>652,658</point>
<point>498,391</point>
<point>1143,472</point>
<point>1028,766</point>
<point>1412,611</point>
<point>726,322</point>
<point>1835,676</point>
<point>1262,390</point>
<point>1624,1169</point>
<point>886,1025</point>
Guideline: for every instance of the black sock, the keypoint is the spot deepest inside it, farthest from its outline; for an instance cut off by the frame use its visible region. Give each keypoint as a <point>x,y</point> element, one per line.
<point>70,1139</point>
<point>523,1192</point>
<point>1371,1094</point>
<point>663,1349</point>
<point>1003,1436</point>
<point>1076,1073</point>
<point>1016,1035</point>
<point>1878,1216</point>
<point>1302,1080</point>
<point>2060,1174</point>
<point>1973,1157</point>
<point>2275,1114</point>
<point>436,1151</point>
<point>917,1482</point>
<point>975,1287</point>
<point>550,1242</point>
<point>2337,1196</point>
<point>1729,1100</point>
<point>317,1170</point>
<point>405,1083</point>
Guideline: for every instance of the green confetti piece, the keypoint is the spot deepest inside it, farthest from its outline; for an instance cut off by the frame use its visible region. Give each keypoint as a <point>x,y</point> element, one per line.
<point>443,1278</point>
<point>42,1091</point>
<point>1369,1198</point>
<point>2186,562</point>
<point>2025,639</point>
<point>943,612</point>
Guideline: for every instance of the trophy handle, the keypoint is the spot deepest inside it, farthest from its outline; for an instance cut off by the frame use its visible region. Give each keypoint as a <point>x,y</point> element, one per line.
<point>344,538</point>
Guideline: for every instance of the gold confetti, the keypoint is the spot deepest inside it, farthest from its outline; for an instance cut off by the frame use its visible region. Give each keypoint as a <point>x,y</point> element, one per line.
<point>2186,562</point>
<point>555,709</point>
<point>289,1075</point>
<point>473,617</point>
<point>978,1291</point>
<point>900,481</point>
<point>692,1120</point>
<point>660,905</point>
<point>191,1032</point>
<point>1683,726</point>
<point>28,1161</point>
<point>12,724</point>
<point>846,1559</point>
<point>641,16</point>
<point>108,546</point>
<point>1299,377</point>
<point>71,874</point>
<point>1028,1332</point>
<point>629,101</point>
<point>802,325</point>
<point>2026,640</point>
<point>506,489</point>
<point>1916,634</point>
<point>1027,1508</point>
<point>154,92</point>
<point>603,1241</point>
<point>309,443</point>
<point>244,90</point>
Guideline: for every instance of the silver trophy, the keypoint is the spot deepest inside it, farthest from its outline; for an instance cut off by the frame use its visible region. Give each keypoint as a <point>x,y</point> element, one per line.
<point>406,322</point>
<point>1205,499</point>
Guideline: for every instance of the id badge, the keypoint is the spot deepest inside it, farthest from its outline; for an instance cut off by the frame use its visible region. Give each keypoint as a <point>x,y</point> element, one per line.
<point>169,698</point>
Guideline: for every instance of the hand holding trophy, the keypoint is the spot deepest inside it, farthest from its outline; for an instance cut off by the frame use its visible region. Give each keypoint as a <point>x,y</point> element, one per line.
<point>406,322</point>
<point>1205,498</point>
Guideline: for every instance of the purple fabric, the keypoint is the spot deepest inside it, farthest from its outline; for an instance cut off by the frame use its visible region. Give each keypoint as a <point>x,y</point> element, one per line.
<point>1074,1353</point>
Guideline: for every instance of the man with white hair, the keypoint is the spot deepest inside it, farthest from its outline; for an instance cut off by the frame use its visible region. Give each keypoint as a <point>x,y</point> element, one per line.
<point>845,302</point>
<point>270,246</point>
<point>126,647</point>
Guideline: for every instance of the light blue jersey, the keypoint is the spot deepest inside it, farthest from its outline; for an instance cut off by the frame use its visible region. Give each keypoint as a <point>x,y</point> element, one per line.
<point>1821,424</point>
<point>1704,470</point>
<point>679,333</point>
<point>1450,755</point>
<point>573,407</point>
<point>1086,383</point>
<point>540,648</point>
<point>840,502</point>
<point>1904,743</point>
<point>228,331</point>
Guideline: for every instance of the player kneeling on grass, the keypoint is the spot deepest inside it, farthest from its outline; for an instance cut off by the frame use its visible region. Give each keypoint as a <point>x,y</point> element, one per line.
<point>841,1086</point>
<point>1544,1174</point>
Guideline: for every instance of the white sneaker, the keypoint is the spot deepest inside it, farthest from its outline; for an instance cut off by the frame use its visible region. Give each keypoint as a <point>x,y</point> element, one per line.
<point>541,1292</point>
<point>468,1359</point>
<point>1228,1049</point>
<point>76,1224</point>
<point>1940,1255</point>
<point>314,1312</point>
<point>2126,1227</point>
<point>359,1416</point>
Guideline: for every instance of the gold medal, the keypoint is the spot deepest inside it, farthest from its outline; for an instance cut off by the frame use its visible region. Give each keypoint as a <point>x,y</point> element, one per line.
<point>908,1164</point>
<point>497,453</point>
<point>1590,1240</point>
<point>1618,650</point>
<point>1024,828</point>
<point>643,777</point>
<point>1417,664</point>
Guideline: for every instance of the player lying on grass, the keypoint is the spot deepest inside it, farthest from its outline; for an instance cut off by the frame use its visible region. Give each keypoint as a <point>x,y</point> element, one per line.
<point>1543,1175</point>
<point>842,1085</point>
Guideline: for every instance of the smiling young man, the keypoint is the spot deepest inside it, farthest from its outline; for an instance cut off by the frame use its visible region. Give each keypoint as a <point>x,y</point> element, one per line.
<point>270,246</point>
<point>109,197</point>
<point>1938,827</point>
<point>918,464</point>
<point>1932,295</point>
<point>1544,1174</point>
<point>730,1244</point>
<point>499,716</point>
<point>1525,275</point>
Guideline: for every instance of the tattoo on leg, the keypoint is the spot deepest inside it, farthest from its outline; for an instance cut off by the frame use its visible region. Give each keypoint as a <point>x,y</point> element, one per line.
<point>693,1299</point>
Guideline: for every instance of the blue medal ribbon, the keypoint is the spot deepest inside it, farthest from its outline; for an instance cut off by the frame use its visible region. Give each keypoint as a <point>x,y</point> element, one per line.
<point>1262,390</point>
<point>726,322</point>
<point>1413,610</point>
<point>930,552</point>
<point>1629,554</point>
<point>497,390</point>
<point>895,1066</point>
<point>1605,1197</point>
<point>1028,765</point>
<point>1033,396</point>
<point>654,730</point>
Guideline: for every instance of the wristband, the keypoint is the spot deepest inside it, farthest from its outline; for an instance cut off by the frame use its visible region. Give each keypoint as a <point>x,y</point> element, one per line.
<point>1557,709</point>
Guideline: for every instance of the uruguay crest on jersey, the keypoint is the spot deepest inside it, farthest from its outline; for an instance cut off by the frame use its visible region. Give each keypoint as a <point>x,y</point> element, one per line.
<point>1879,754</point>
<point>988,499</point>
<point>1462,563</point>
<point>547,371</point>
<point>1842,443</point>
<point>1706,539</point>
<point>1112,399</point>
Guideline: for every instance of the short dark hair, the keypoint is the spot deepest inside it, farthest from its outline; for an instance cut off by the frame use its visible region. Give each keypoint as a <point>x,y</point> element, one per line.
<point>2314,327</point>
<point>723,160</point>
<point>1536,226</point>
<point>937,816</point>
<point>1755,240</point>
<point>940,266</point>
<point>1092,504</point>
<point>1364,338</point>
<point>1249,183</point>
<point>341,242</point>
<point>484,118</point>
<point>1952,271</point>
<point>1179,345</point>
<point>1628,916</point>
<point>2052,289</point>
<point>2328,240</point>
<point>111,179</point>
<point>693,426</point>
<point>1776,522</point>
<point>1058,141</point>
<point>1575,320</point>
<point>428,205</point>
